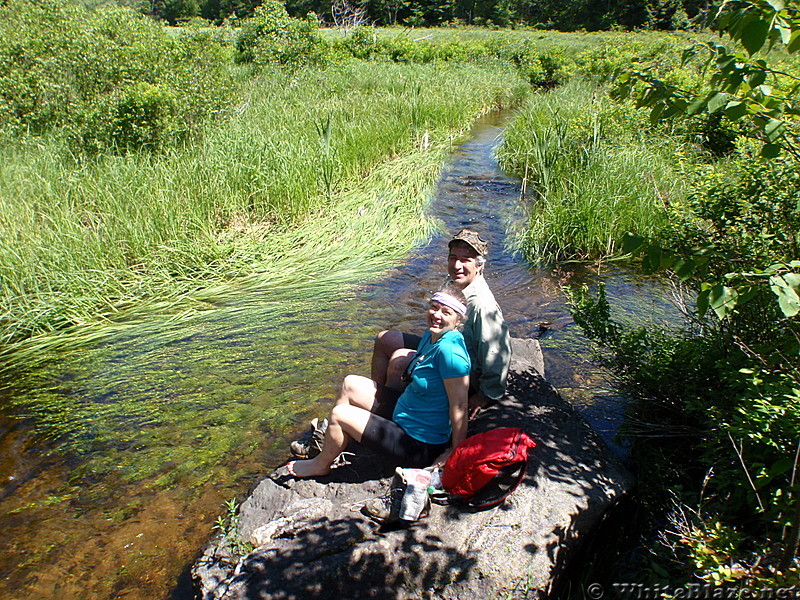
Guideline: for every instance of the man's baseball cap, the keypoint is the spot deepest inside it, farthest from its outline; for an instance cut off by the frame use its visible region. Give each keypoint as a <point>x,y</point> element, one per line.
<point>472,239</point>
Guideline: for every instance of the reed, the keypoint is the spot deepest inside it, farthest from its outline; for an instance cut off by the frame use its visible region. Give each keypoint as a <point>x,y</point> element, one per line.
<point>91,241</point>
<point>594,170</point>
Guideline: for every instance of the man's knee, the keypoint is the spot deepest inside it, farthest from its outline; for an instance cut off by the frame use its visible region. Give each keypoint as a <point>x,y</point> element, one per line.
<point>388,341</point>
<point>398,363</point>
<point>338,413</point>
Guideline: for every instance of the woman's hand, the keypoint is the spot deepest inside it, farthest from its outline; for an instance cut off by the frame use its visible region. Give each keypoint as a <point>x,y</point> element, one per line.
<point>442,458</point>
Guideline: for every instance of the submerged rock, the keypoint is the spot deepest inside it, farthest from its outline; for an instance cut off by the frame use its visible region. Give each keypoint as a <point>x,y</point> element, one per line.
<point>313,542</point>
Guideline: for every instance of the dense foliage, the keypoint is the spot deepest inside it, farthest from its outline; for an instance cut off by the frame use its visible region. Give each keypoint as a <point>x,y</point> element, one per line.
<point>107,78</point>
<point>716,416</point>
<point>571,15</point>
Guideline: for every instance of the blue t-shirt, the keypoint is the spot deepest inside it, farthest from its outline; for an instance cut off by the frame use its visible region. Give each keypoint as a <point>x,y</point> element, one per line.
<point>423,410</point>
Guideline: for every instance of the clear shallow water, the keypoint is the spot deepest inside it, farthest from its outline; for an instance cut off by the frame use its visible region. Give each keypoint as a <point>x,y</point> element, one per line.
<point>115,460</point>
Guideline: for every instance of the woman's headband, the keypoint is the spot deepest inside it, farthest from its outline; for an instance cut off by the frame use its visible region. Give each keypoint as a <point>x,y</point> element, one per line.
<point>448,300</point>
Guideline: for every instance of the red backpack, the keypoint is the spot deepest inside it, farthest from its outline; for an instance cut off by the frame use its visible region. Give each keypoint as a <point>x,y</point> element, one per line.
<point>486,467</point>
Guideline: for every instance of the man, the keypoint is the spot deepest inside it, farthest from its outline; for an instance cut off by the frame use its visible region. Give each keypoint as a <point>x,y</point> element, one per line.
<point>485,331</point>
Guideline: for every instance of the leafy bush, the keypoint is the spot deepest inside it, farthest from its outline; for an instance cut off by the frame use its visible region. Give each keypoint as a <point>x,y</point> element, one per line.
<point>716,419</point>
<point>64,68</point>
<point>752,216</point>
<point>144,116</point>
<point>401,48</point>
<point>362,42</point>
<point>272,36</point>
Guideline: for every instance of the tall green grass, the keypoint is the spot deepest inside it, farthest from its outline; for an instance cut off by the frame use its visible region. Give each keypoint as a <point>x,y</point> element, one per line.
<point>83,240</point>
<point>593,171</point>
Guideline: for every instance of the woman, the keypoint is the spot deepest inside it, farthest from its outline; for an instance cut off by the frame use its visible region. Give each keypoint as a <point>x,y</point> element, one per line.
<point>429,418</point>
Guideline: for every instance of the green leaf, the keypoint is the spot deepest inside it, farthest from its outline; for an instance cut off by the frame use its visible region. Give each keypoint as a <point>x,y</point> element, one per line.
<point>793,279</point>
<point>774,129</point>
<point>778,5</point>
<point>794,43</point>
<point>702,303</point>
<point>754,35</point>
<point>726,62</point>
<point>680,104</point>
<point>765,90</point>
<point>787,296</point>
<point>756,77</point>
<point>747,293</point>
<point>735,110</point>
<point>652,259</point>
<point>684,268</point>
<point>656,112</point>
<point>781,466</point>
<point>696,107</point>
<point>631,243</point>
<point>722,300</point>
<point>770,150</point>
<point>717,100</point>
<point>785,33</point>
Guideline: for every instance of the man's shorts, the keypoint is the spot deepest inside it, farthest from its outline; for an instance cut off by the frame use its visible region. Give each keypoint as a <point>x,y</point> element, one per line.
<point>411,341</point>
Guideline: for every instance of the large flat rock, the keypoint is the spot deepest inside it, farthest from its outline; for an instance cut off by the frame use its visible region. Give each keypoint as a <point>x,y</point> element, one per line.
<point>315,543</point>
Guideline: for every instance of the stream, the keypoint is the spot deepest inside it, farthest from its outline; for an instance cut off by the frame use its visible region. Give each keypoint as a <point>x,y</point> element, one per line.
<point>116,459</point>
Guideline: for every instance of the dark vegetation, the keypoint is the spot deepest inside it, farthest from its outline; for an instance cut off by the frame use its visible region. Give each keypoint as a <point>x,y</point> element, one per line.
<point>572,15</point>
<point>107,78</point>
<point>716,412</point>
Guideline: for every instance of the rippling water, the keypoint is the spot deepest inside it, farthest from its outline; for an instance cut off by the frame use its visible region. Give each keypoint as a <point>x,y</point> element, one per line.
<point>115,460</point>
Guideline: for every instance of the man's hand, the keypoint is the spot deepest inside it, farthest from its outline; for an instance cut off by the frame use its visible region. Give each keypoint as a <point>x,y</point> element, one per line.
<point>476,402</point>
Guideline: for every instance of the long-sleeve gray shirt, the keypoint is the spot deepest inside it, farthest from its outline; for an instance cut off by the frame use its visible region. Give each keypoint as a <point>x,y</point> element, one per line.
<point>487,340</point>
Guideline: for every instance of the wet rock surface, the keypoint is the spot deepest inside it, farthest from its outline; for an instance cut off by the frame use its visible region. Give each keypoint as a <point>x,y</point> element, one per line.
<point>312,541</point>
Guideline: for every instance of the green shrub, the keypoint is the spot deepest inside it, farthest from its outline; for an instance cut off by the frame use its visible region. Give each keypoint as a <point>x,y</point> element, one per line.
<point>362,42</point>
<point>715,418</point>
<point>64,68</point>
<point>745,211</point>
<point>144,117</point>
<point>272,36</point>
<point>401,48</point>
<point>621,52</point>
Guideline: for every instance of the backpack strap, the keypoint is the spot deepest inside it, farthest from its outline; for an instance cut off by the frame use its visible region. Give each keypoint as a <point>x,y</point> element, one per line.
<point>508,482</point>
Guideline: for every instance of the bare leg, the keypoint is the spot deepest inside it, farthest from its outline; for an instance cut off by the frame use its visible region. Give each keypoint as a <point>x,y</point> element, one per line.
<point>345,422</point>
<point>397,365</point>
<point>386,343</point>
<point>357,391</point>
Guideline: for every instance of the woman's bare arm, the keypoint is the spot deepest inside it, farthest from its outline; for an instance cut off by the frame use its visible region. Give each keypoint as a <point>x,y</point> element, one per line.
<point>457,394</point>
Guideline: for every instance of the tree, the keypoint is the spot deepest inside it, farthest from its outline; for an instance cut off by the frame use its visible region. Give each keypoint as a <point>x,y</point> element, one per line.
<point>348,15</point>
<point>174,10</point>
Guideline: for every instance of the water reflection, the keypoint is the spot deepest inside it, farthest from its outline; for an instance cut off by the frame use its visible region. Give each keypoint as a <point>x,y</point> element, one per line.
<point>139,441</point>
